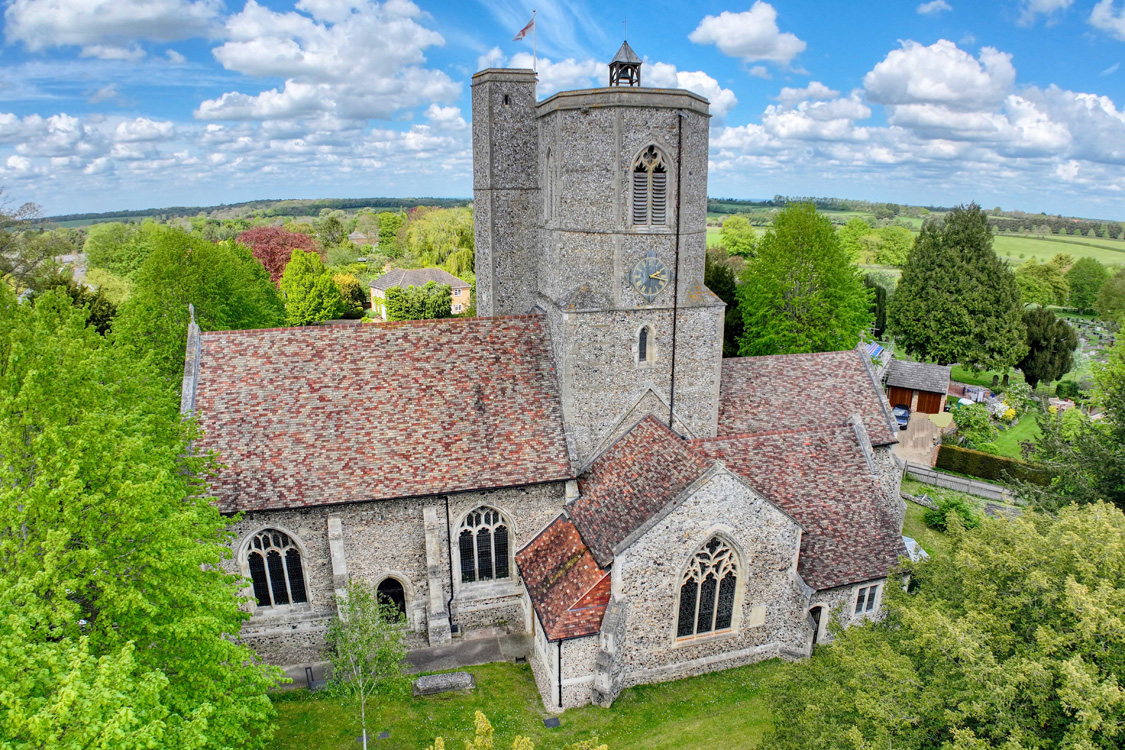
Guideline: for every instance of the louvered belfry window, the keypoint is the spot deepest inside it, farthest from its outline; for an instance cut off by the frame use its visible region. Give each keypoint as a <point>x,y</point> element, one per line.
<point>707,592</point>
<point>275,569</point>
<point>650,189</point>
<point>483,546</point>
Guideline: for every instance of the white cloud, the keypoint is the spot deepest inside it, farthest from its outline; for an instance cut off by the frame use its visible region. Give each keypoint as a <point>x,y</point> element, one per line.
<point>99,26</point>
<point>751,35</point>
<point>934,7</point>
<point>1030,10</point>
<point>355,60</point>
<point>1110,70</point>
<point>815,90</point>
<point>664,75</point>
<point>1108,18</point>
<point>144,129</point>
<point>564,74</point>
<point>175,57</point>
<point>109,52</point>
<point>760,71</point>
<point>941,74</point>
<point>104,94</point>
<point>446,118</point>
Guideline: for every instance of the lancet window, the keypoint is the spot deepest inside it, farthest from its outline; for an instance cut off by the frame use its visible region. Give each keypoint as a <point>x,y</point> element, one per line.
<point>650,189</point>
<point>707,591</point>
<point>483,546</point>
<point>275,569</point>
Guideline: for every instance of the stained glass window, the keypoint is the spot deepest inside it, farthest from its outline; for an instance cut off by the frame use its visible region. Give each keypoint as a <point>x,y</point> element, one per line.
<point>707,591</point>
<point>484,548</point>
<point>275,569</point>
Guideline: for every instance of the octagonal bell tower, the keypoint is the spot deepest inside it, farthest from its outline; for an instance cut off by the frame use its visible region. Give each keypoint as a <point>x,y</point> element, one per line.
<point>619,226</point>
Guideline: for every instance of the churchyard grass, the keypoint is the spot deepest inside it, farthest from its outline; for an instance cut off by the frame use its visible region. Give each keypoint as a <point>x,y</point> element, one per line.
<point>727,706</point>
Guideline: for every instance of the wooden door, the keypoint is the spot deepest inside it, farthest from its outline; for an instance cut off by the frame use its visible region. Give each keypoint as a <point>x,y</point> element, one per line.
<point>898,396</point>
<point>929,403</point>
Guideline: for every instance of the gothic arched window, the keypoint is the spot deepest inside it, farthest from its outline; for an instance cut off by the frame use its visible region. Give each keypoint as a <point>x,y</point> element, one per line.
<point>275,569</point>
<point>650,189</point>
<point>707,592</point>
<point>483,545</point>
<point>642,345</point>
<point>391,591</point>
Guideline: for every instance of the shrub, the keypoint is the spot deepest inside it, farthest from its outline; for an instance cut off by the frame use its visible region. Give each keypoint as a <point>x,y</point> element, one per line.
<point>1067,389</point>
<point>983,465</point>
<point>937,518</point>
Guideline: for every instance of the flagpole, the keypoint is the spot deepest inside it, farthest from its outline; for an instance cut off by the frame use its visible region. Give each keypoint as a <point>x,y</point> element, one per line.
<point>534,51</point>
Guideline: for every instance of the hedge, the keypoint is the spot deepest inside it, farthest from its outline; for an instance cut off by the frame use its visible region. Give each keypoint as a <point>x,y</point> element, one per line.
<point>987,466</point>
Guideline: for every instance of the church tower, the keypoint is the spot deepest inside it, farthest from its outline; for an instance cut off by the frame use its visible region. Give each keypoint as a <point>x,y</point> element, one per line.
<point>618,236</point>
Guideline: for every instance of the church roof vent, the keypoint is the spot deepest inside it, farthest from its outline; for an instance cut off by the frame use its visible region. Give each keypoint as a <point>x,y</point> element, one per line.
<point>625,69</point>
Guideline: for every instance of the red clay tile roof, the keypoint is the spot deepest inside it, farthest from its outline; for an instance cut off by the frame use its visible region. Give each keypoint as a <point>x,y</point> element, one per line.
<point>629,483</point>
<point>801,391</point>
<point>821,478</point>
<point>570,592</point>
<point>336,414</point>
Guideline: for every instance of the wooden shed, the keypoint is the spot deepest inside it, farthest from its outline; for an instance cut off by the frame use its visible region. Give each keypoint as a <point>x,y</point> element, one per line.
<point>920,386</point>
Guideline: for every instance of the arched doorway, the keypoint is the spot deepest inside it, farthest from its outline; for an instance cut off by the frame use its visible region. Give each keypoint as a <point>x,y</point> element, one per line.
<point>391,591</point>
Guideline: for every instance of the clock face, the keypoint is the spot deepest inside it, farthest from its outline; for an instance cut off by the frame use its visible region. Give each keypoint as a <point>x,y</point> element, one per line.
<point>650,276</point>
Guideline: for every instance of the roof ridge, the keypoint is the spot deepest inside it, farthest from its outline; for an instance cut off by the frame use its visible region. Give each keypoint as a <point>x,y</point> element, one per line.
<point>375,324</point>
<point>767,433</point>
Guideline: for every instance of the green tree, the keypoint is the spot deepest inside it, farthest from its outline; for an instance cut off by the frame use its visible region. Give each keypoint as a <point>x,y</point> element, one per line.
<point>957,301</point>
<point>851,235</point>
<point>1034,290</point>
<point>1110,304</point>
<point>1050,347</point>
<point>390,223</point>
<point>878,304</point>
<point>1014,639</point>
<point>366,647</point>
<point>1088,463</point>
<point>352,292</point>
<point>330,230</point>
<point>800,293</point>
<point>894,246</point>
<point>738,236</point>
<point>27,249</point>
<point>100,311</point>
<point>433,234</point>
<point>976,426</point>
<point>310,294</point>
<point>116,608</point>
<point>419,302</point>
<point>1085,279</point>
<point>1050,275</point>
<point>119,248</point>
<point>228,287</point>
<point>719,277</point>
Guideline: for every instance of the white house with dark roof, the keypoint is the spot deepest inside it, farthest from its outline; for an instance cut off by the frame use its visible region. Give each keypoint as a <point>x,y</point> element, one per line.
<point>591,472</point>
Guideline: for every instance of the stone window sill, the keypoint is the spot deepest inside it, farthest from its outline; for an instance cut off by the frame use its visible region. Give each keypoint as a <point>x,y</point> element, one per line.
<point>468,592</point>
<point>695,640</point>
<point>282,610</point>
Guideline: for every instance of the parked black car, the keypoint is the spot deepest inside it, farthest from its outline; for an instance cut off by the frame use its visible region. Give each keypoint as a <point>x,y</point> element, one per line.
<point>902,416</point>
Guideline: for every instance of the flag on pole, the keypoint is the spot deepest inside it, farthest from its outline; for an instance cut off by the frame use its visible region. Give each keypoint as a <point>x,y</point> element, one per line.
<point>525,30</point>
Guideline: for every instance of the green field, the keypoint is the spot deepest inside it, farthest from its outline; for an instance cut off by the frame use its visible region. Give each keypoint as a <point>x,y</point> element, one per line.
<point>677,715</point>
<point>1018,248</point>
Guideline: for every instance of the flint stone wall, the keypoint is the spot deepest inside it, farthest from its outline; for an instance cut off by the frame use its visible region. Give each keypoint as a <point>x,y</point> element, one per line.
<point>840,603</point>
<point>381,539</point>
<point>888,470</point>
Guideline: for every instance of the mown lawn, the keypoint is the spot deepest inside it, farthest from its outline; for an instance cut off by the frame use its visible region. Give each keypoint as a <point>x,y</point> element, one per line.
<point>1009,440</point>
<point>725,709</point>
<point>932,540</point>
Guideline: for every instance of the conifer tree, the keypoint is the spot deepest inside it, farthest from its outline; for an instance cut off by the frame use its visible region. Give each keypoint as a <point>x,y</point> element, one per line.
<point>311,296</point>
<point>1050,347</point>
<point>957,301</point>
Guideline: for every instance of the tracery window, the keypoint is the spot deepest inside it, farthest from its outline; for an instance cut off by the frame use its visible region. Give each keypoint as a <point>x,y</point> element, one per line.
<point>275,569</point>
<point>483,545</point>
<point>650,189</point>
<point>707,593</point>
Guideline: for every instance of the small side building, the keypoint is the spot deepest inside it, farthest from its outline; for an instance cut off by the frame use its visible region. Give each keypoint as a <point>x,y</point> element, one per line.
<point>404,277</point>
<point>921,386</point>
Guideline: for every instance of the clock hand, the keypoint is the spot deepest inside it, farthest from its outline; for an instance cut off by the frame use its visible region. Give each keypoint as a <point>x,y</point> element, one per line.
<point>656,275</point>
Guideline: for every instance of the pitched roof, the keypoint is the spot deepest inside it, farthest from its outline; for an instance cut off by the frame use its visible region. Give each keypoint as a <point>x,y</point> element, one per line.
<point>800,391</point>
<point>335,414</point>
<point>417,277</point>
<point>626,55</point>
<point>568,588</point>
<point>821,478</point>
<point>919,376</point>
<point>632,481</point>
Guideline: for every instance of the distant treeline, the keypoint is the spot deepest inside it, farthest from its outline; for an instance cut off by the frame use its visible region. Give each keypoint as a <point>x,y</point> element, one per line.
<point>734,205</point>
<point>1040,224</point>
<point>289,207</point>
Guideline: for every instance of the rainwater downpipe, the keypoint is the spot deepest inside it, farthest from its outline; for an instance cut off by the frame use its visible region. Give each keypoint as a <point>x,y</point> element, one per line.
<point>676,277</point>
<point>449,549</point>
<point>559,643</point>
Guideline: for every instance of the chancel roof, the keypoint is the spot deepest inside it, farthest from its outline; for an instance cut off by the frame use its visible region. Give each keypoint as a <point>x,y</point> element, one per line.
<point>802,391</point>
<point>569,589</point>
<point>821,478</point>
<point>335,414</point>
<point>628,484</point>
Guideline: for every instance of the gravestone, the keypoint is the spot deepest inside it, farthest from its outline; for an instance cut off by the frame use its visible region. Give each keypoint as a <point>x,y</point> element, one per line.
<point>443,683</point>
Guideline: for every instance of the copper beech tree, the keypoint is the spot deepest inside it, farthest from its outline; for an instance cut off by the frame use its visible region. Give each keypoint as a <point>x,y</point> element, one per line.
<point>274,246</point>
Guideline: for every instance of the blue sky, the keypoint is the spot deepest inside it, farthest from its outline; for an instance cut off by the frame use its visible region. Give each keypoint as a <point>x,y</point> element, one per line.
<point>113,104</point>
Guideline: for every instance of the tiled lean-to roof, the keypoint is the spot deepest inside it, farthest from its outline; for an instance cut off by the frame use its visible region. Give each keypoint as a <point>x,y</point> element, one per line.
<point>567,587</point>
<point>633,480</point>
<point>821,478</point>
<point>334,414</point>
<point>802,391</point>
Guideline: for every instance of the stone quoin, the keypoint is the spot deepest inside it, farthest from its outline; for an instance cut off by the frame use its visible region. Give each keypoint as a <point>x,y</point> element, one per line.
<point>591,471</point>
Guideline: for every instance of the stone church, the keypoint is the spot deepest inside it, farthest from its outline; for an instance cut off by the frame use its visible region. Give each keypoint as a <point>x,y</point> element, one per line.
<point>580,463</point>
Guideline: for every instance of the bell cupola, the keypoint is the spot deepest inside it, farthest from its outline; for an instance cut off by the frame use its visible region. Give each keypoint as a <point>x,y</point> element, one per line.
<point>625,69</point>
